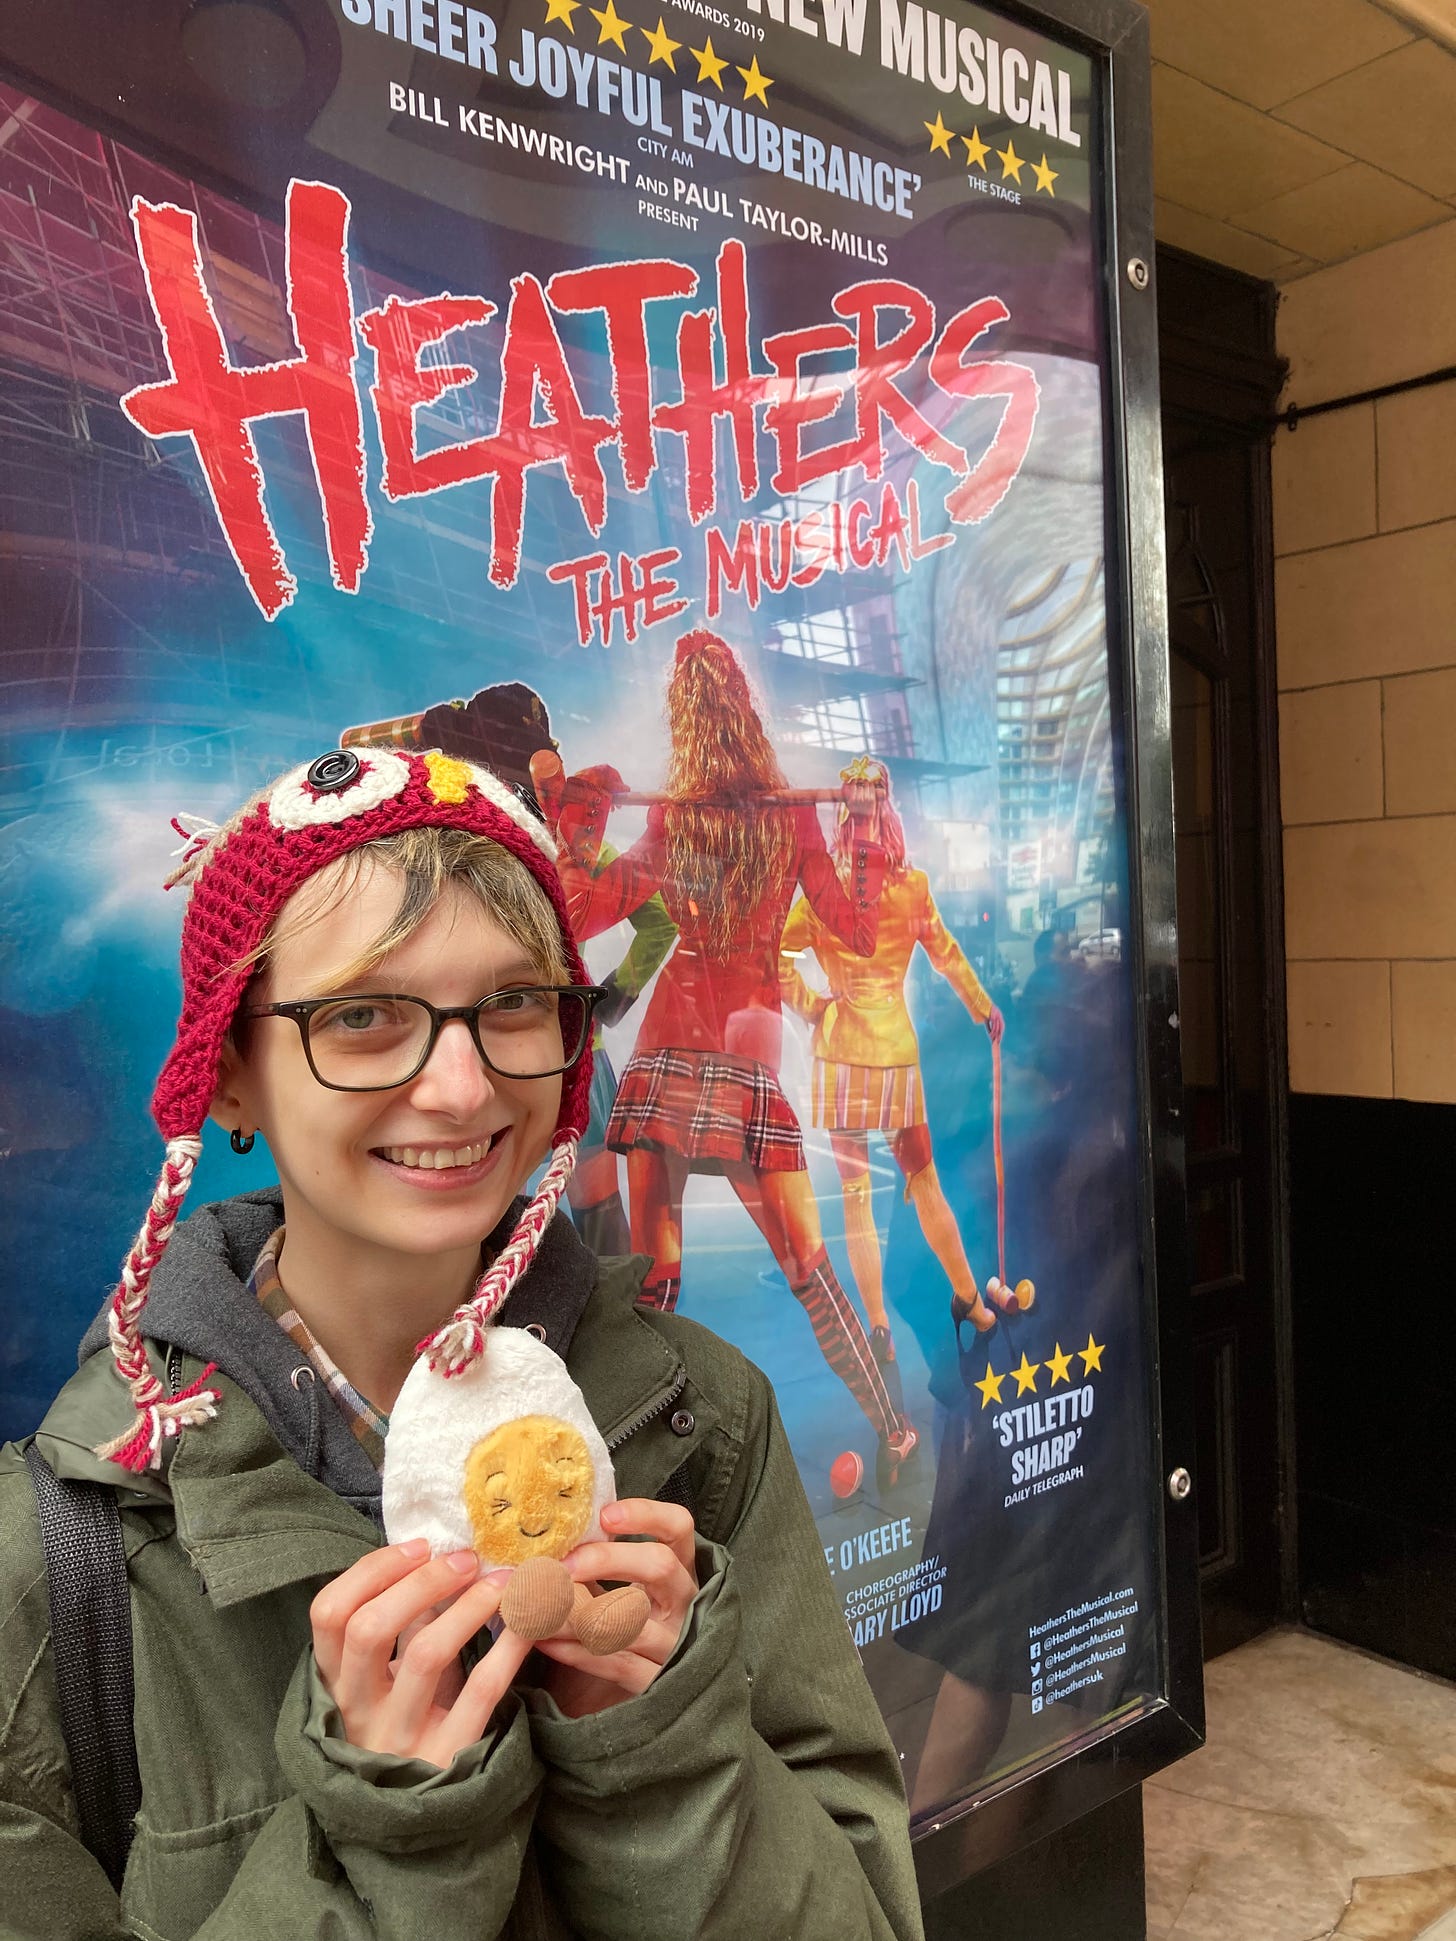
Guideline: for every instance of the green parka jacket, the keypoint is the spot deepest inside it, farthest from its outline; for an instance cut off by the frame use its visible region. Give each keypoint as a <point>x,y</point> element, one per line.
<point>751,1792</point>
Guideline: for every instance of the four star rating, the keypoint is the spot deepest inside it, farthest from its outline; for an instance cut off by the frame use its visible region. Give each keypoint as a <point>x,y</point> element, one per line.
<point>1058,1364</point>
<point>613,29</point>
<point>1012,164</point>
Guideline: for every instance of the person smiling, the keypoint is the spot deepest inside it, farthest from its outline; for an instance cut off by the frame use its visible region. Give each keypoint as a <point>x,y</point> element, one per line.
<point>379,979</point>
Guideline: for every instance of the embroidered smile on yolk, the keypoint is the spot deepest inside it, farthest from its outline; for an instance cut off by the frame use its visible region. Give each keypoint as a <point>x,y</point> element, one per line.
<point>528,1490</point>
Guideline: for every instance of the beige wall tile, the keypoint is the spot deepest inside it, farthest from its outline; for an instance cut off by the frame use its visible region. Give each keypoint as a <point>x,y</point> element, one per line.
<point>1330,765</point>
<point>1339,1029</point>
<point>1354,888</point>
<point>1395,112</point>
<point>1420,744</point>
<point>1423,1003</point>
<point>1324,480</point>
<point>1378,318</point>
<point>1213,154</point>
<point>1263,53</point>
<point>1377,606</point>
<point>1416,446</point>
<point>1355,209</point>
<point>1221,243</point>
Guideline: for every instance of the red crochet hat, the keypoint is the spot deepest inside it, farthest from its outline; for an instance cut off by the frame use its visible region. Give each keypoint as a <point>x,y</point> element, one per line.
<point>241,876</point>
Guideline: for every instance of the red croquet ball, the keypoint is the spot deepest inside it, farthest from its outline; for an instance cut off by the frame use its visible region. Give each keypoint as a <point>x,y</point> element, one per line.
<point>846,1473</point>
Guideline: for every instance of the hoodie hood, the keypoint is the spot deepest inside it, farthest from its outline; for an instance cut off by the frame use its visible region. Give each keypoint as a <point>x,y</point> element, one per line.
<point>198,1303</point>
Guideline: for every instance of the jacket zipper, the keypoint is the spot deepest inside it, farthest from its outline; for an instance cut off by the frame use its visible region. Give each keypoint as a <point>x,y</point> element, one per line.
<point>664,1401</point>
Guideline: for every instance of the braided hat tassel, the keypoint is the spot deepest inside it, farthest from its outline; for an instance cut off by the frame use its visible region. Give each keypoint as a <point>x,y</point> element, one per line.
<point>239,876</point>
<point>452,1348</point>
<point>139,1448</point>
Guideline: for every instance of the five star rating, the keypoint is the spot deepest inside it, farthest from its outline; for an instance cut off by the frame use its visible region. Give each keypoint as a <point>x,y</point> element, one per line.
<point>613,29</point>
<point>1012,164</point>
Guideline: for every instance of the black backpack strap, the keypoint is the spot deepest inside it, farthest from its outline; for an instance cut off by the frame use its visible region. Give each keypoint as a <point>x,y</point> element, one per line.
<point>90,1598</point>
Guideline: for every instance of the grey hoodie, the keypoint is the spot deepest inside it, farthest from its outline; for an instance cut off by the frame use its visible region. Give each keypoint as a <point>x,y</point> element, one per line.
<point>198,1303</point>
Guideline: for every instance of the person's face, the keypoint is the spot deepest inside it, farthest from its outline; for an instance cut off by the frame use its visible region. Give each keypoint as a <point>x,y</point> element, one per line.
<point>865,803</point>
<point>349,1162</point>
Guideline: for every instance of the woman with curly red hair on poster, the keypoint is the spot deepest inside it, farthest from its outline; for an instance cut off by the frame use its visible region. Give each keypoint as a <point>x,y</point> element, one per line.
<point>701,1091</point>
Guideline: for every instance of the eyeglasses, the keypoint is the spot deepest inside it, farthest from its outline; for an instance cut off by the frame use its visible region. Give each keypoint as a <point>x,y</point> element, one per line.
<point>372,1041</point>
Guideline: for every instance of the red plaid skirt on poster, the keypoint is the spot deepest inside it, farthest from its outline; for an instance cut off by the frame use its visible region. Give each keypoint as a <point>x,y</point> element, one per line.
<point>710,1107</point>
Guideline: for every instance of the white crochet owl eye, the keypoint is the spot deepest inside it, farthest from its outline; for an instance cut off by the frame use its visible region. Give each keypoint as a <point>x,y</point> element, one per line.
<point>338,785</point>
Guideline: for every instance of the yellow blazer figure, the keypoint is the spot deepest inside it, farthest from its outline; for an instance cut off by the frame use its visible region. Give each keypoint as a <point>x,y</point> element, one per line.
<point>866,1075</point>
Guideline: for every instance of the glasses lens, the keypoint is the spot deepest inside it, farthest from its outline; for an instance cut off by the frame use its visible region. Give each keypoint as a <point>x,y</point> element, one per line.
<point>532,1033</point>
<point>364,1043</point>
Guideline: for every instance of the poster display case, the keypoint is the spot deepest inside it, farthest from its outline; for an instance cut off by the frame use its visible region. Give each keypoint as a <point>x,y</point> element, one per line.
<point>736,423</point>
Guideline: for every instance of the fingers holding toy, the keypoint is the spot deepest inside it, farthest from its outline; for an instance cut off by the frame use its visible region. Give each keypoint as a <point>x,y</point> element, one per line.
<point>666,1523</point>
<point>663,1565</point>
<point>596,1663</point>
<point>388,1634</point>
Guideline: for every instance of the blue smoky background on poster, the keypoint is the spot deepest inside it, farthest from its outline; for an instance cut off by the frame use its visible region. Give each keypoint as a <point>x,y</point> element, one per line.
<point>1001,1583</point>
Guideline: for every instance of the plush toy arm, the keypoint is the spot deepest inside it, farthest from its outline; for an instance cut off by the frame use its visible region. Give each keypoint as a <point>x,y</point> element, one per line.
<point>611,1622</point>
<point>541,1600</point>
<point>537,1601</point>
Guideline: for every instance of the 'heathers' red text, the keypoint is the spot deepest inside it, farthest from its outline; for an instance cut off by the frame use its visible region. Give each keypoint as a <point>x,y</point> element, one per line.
<point>904,381</point>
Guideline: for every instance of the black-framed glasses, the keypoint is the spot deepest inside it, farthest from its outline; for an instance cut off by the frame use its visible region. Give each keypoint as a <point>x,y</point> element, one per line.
<point>371,1041</point>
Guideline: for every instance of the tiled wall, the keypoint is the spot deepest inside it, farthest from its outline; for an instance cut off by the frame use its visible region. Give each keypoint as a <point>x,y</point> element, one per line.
<point>1365,543</point>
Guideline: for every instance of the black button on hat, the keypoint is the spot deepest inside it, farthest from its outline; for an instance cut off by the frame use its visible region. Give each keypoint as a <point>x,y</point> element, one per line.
<point>333,771</point>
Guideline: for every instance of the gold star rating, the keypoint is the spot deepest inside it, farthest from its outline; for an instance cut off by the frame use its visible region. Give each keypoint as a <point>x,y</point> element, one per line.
<point>562,10</point>
<point>710,68</point>
<point>1091,1355</point>
<point>1011,163</point>
<point>755,83</point>
<point>989,1386</point>
<point>1045,176</point>
<point>976,150</point>
<point>613,27</point>
<point>663,49</point>
<point>939,135</point>
<point>1059,1364</point>
<point>1025,1375</point>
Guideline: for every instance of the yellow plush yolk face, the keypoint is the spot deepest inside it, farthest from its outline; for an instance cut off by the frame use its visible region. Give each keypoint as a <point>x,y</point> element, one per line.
<point>528,1490</point>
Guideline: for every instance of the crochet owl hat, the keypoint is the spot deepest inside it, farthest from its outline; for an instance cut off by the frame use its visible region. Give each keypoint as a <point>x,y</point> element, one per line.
<point>241,875</point>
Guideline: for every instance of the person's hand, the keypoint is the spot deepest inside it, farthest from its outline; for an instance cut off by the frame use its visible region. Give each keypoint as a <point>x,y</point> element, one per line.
<point>576,806</point>
<point>548,779</point>
<point>995,1025</point>
<point>389,1657</point>
<point>616,1004</point>
<point>862,804</point>
<point>582,1683</point>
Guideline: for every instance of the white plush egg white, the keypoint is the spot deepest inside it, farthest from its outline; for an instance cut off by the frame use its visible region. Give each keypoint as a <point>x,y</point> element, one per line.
<point>436,1422</point>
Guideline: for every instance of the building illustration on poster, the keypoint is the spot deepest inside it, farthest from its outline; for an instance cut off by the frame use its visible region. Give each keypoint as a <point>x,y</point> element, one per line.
<point>697,414</point>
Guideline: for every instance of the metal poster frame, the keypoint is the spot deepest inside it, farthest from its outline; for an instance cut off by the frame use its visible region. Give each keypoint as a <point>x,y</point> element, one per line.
<point>1083,1777</point>
<point>1074,1777</point>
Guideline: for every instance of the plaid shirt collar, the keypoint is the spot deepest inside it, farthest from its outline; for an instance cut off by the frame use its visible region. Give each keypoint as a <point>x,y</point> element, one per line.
<point>369,1424</point>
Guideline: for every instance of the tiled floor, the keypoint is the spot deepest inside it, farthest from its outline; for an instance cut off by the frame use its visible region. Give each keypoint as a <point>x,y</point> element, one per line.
<point>1323,1805</point>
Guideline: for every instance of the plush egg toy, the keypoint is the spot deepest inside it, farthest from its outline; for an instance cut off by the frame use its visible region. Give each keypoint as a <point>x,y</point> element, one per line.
<point>504,1459</point>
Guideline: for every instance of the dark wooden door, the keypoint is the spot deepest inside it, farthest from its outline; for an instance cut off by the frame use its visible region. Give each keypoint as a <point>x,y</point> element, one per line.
<point>1220,383</point>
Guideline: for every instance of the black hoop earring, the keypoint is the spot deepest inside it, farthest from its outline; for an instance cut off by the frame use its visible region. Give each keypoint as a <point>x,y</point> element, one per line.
<point>242,1141</point>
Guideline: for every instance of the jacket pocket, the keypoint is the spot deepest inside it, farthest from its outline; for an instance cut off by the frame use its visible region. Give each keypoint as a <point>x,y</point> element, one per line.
<point>175,1880</point>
